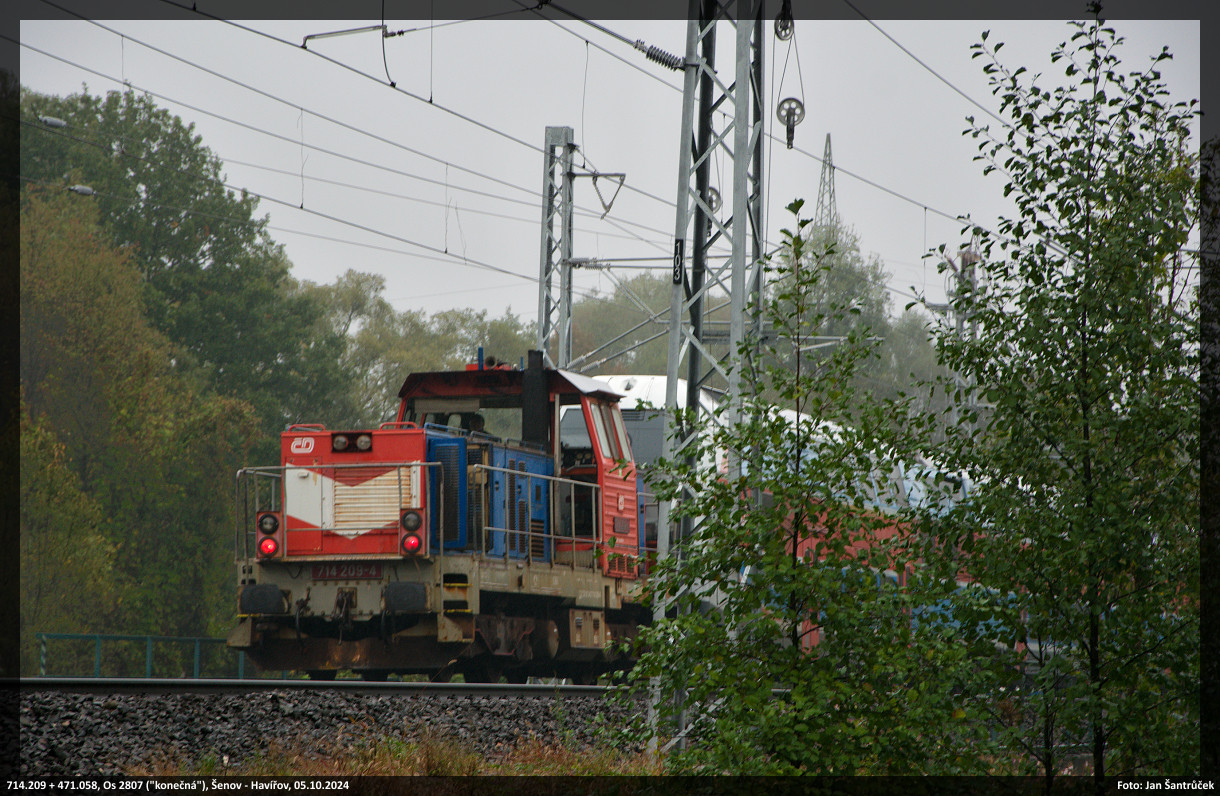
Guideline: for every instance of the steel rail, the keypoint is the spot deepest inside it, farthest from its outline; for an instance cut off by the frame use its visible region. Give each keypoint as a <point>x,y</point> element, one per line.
<point>163,685</point>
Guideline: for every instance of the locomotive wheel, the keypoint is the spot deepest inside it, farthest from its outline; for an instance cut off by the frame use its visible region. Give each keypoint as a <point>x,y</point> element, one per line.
<point>322,674</point>
<point>584,677</point>
<point>482,672</point>
<point>374,675</point>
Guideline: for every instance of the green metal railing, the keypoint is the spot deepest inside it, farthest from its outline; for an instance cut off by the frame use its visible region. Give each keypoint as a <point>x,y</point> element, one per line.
<point>197,645</point>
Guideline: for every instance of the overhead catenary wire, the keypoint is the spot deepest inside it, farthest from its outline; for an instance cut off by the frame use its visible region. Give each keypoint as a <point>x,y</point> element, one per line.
<point>457,114</point>
<point>293,141</point>
<point>269,95</point>
<point>421,200</point>
<point>676,63</point>
<point>318,236</point>
<point>454,259</point>
<point>537,12</point>
<point>651,52</point>
<point>445,255</point>
<point>851,174</point>
<point>616,223</point>
<point>345,125</point>
<point>919,61</point>
<point>959,218</point>
<point>442,257</point>
<point>582,211</point>
<point>770,135</point>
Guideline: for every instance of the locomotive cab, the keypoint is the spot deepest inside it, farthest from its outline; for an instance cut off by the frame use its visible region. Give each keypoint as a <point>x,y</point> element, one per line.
<point>481,532</point>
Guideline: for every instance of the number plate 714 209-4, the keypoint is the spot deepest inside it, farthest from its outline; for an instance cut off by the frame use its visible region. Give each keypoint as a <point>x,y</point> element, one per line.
<point>347,570</point>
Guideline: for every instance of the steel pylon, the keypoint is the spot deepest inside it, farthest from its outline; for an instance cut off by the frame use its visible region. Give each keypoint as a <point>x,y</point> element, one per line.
<point>718,256</point>
<point>555,273</point>
<point>827,213</point>
<point>717,267</point>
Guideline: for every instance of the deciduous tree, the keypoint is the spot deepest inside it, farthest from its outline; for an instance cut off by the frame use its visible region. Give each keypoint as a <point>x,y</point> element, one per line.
<point>137,456</point>
<point>788,642</point>
<point>212,280</point>
<point>1086,357</point>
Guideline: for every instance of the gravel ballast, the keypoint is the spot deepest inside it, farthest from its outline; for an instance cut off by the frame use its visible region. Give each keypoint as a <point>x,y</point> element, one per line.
<point>67,734</point>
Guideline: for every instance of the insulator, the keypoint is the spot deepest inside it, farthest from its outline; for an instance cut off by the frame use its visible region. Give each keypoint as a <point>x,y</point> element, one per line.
<point>654,53</point>
<point>51,121</point>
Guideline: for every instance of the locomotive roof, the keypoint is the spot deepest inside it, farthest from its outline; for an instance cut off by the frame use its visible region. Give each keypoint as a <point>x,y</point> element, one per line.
<point>498,381</point>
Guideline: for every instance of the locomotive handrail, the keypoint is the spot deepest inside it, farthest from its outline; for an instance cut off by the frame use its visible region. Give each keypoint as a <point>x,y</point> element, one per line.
<point>248,480</point>
<point>594,491</point>
<point>555,478</point>
<point>268,469</point>
<point>398,424</point>
<point>483,436</point>
<point>486,528</point>
<point>259,471</point>
<point>596,540</point>
<point>306,426</point>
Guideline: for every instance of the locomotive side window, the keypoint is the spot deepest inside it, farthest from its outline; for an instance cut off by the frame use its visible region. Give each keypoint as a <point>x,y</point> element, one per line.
<point>573,433</point>
<point>607,442</point>
<point>616,420</point>
<point>490,417</point>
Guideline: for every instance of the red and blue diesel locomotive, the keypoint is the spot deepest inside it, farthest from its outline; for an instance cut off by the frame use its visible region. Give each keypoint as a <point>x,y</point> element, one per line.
<point>492,529</point>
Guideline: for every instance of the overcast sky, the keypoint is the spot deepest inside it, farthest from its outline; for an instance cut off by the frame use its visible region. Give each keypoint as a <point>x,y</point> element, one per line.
<point>459,194</point>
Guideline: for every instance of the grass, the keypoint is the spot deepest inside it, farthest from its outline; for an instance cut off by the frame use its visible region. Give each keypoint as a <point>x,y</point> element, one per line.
<point>427,755</point>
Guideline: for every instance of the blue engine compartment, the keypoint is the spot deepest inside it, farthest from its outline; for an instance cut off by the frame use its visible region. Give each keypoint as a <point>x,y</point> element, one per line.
<point>520,502</point>
<point>513,494</point>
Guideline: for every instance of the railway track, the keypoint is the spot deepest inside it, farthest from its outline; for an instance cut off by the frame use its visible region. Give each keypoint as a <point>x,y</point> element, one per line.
<point>76,726</point>
<point>162,685</point>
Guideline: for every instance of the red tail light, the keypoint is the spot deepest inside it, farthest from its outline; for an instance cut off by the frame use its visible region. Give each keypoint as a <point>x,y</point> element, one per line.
<point>267,546</point>
<point>412,545</point>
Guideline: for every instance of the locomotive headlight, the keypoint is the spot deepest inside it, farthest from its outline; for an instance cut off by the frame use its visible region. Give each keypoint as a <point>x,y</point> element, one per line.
<point>411,520</point>
<point>267,546</point>
<point>364,442</point>
<point>411,544</point>
<point>340,442</point>
<point>268,524</point>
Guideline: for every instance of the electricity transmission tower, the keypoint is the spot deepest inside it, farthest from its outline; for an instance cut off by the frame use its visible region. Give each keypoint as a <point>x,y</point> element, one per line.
<point>827,214</point>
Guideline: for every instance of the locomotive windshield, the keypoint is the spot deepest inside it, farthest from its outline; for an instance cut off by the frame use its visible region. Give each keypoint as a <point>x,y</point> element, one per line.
<point>573,433</point>
<point>470,415</point>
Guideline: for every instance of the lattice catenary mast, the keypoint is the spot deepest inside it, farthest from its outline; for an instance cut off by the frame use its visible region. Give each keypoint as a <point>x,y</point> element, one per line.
<point>555,275</point>
<point>722,122</point>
